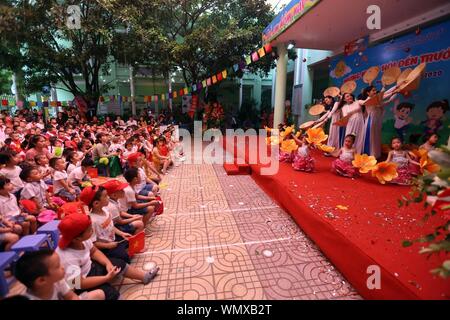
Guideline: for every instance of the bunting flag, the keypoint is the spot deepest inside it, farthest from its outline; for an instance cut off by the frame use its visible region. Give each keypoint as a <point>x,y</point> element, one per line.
<point>181,93</point>
<point>32,103</point>
<point>242,65</point>
<point>255,56</point>
<point>268,48</point>
<point>204,83</point>
<point>194,88</point>
<point>175,95</point>
<point>236,67</point>
<point>185,91</point>
<point>64,104</point>
<point>163,97</point>
<point>167,96</point>
<point>219,77</point>
<point>53,104</point>
<point>45,104</point>
<point>199,86</point>
<point>214,79</point>
<point>40,104</point>
<point>101,99</point>
<point>125,99</point>
<point>261,52</point>
<point>59,104</point>
<point>146,99</point>
<point>156,98</point>
<point>248,60</point>
<point>209,82</point>
<point>11,103</point>
<point>224,74</point>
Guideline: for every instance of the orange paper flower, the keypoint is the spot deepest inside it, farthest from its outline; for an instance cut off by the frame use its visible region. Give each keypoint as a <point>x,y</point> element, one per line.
<point>325,148</point>
<point>385,172</point>
<point>428,166</point>
<point>364,163</point>
<point>419,153</point>
<point>287,132</point>
<point>316,136</point>
<point>273,140</point>
<point>289,146</point>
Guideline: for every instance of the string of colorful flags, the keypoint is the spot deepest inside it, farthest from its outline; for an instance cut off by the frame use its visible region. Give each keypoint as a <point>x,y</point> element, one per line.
<point>194,88</point>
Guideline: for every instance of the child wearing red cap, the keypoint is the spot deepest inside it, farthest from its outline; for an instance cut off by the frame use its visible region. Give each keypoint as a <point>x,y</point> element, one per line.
<point>123,221</point>
<point>77,252</point>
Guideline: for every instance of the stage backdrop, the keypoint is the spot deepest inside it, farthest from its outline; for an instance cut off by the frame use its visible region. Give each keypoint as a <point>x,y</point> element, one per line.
<point>425,110</point>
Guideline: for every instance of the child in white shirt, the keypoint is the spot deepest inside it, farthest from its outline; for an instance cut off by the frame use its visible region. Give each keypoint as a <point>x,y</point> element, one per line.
<point>61,187</point>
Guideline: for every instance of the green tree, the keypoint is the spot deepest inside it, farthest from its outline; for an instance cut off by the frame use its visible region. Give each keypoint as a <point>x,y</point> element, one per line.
<point>196,38</point>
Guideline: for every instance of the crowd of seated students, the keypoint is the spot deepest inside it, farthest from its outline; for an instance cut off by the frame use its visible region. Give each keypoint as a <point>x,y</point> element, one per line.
<point>45,166</point>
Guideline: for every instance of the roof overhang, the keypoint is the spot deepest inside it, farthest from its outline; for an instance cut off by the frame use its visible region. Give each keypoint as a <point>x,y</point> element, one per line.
<point>330,24</point>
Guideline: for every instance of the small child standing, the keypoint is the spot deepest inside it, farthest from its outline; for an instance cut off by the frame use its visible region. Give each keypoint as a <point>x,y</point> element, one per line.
<point>43,275</point>
<point>10,211</point>
<point>303,160</point>
<point>12,171</point>
<point>343,165</point>
<point>405,165</point>
<point>61,187</point>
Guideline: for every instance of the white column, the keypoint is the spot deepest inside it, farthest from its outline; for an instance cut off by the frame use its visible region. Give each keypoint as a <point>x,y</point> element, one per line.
<point>280,90</point>
<point>133,94</point>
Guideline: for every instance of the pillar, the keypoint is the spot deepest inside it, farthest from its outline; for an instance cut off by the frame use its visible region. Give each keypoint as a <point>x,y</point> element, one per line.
<point>280,89</point>
<point>133,94</point>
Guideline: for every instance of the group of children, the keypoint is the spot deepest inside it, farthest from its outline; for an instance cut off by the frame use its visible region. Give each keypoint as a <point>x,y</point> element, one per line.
<point>37,182</point>
<point>408,165</point>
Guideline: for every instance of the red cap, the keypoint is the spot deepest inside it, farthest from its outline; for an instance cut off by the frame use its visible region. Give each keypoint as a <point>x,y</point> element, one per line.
<point>113,186</point>
<point>71,227</point>
<point>88,194</point>
<point>134,157</point>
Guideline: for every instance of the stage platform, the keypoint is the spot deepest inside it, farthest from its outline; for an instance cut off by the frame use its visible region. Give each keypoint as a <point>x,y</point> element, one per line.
<point>369,233</point>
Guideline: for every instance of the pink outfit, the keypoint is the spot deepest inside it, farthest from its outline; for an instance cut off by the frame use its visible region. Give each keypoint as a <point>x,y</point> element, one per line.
<point>286,157</point>
<point>303,161</point>
<point>343,166</point>
<point>406,171</point>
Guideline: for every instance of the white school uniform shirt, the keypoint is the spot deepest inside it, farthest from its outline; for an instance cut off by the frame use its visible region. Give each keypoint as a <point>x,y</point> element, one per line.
<point>76,174</point>
<point>14,176</point>
<point>36,190</point>
<point>60,289</point>
<point>130,196</point>
<point>103,227</point>
<point>9,207</point>
<point>58,176</point>
<point>114,209</point>
<point>70,168</point>
<point>78,258</point>
<point>143,178</point>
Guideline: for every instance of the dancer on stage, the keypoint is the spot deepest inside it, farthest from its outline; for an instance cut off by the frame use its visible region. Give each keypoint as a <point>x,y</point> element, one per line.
<point>336,134</point>
<point>302,159</point>
<point>374,121</point>
<point>353,110</point>
<point>343,165</point>
<point>406,167</point>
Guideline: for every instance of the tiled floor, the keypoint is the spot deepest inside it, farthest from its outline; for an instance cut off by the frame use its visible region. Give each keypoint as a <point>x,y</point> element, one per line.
<point>221,237</point>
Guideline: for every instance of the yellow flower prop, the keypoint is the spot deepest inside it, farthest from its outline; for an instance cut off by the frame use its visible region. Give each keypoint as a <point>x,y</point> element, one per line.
<point>273,140</point>
<point>364,163</point>
<point>268,129</point>
<point>298,134</point>
<point>428,166</point>
<point>419,154</point>
<point>286,132</point>
<point>325,148</point>
<point>316,136</point>
<point>385,172</point>
<point>289,146</point>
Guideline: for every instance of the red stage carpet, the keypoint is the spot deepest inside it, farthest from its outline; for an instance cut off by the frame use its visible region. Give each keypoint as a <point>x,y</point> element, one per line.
<point>369,233</point>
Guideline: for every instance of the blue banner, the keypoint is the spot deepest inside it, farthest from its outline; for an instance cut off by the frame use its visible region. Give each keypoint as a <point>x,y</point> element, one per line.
<point>423,111</point>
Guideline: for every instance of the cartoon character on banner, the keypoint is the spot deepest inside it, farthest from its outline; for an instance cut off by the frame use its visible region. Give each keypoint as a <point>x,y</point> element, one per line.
<point>435,115</point>
<point>402,112</point>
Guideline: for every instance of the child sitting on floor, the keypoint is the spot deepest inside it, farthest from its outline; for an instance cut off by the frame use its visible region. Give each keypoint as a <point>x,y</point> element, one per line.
<point>133,203</point>
<point>24,224</point>
<point>61,187</point>
<point>36,190</point>
<point>77,250</point>
<point>42,162</point>
<point>146,187</point>
<point>11,170</point>
<point>302,159</point>
<point>43,275</point>
<point>343,165</point>
<point>80,174</point>
<point>406,167</point>
<point>123,221</point>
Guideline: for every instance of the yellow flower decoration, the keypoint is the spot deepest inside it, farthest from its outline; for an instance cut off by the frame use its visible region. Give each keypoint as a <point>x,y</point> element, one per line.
<point>419,153</point>
<point>289,146</point>
<point>268,129</point>
<point>316,136</point>
<point>427,165</point>
<point>364,163</point>
<point>298,134</point>
<point>325,148</point>
<point>273,140</point>
<point>286,132</point>
<point>385,172</point>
